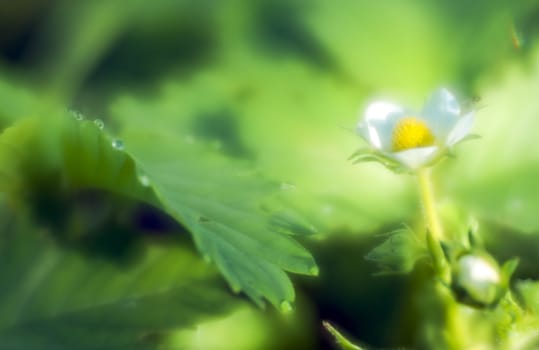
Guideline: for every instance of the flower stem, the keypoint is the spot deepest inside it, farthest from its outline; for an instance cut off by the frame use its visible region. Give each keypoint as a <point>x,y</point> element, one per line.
<point>434,232</point>
<point>429,209</point>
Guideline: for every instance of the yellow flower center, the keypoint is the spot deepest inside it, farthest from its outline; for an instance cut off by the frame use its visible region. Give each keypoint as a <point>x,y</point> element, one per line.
<point>411,132</point>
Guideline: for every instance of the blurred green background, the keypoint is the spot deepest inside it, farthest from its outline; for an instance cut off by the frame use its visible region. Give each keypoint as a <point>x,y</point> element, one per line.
<point>276,86</point>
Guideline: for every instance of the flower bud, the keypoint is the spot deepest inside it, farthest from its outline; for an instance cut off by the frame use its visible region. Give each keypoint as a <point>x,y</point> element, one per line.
<point>477,280</point>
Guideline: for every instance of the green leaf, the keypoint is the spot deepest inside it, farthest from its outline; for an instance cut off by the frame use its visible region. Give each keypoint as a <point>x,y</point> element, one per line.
<point>65,154</point>
<point>399,252</point>
<point>56,298</point>
<point>218,201</point>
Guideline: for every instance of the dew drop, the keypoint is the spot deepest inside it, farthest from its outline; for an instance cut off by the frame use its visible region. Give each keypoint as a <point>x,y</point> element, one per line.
<point>206,258</point>
<point>99,123</point>
<point>286,307</point>
<point>77,115</point>
<point>144,180</point>
<point>314,271</point>
<point>118,144</point>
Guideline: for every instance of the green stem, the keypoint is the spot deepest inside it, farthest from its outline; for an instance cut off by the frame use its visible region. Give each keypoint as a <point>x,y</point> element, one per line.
<point>434,232</point>
<point>453,328</point>
<point>429,207</point>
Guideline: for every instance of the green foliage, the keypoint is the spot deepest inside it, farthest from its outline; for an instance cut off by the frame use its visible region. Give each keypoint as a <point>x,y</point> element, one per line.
<point>200,93</point>
<point>62,153</point>
<point>50,159</point>
<point>220,204</point>
<point>217,201</point>
<point>399,252</point>
<point>57,298</point>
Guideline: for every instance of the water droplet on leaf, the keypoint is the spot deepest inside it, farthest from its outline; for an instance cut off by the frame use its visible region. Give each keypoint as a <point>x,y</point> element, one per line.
<point>77,115</point>
<point>118,144</point>
<point>144,180</point>
<point>99,123</point>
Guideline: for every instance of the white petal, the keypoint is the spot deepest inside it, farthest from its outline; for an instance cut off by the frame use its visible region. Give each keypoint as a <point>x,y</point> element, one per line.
<point>374,137</point>
<point>370,134</point>
<point>377,125</point>
<point>441,111</point>
<point>381,110</point>
<point>461,129</point>
<point>416,157</point>
<point>443,101</point>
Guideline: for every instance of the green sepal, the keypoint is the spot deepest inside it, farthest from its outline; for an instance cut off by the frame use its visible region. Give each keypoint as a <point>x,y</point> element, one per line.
<point>469,137</point>
<point>363,155</point>
<point>448,251</point>
<point>464,290</point>
<point>508,268</point>
<point>528,294</point>
<point>450,151</point>
<point>474,240</point>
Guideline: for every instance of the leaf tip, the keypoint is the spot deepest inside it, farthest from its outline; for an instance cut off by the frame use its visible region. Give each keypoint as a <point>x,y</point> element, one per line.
<point>286,307</point>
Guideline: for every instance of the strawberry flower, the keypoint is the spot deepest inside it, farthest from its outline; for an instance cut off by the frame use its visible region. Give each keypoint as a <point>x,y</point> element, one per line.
<point>405,140</point>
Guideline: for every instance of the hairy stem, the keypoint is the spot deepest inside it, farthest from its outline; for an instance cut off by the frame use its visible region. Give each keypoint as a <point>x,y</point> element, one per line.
<point>429,207</point>
<point>434,232</point>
